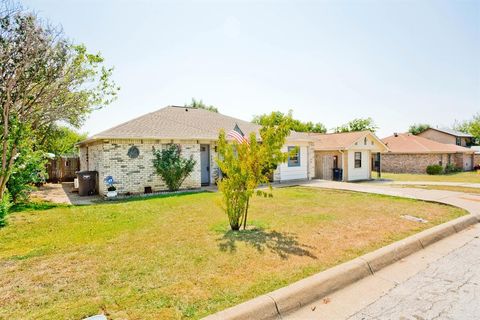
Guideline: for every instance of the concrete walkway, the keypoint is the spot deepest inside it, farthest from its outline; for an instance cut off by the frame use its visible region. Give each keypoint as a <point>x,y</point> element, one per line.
<point>440,282</point>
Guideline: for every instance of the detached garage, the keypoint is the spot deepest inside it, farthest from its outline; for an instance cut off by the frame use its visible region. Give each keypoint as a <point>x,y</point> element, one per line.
<point>413,154</point>
<point>350,156</point>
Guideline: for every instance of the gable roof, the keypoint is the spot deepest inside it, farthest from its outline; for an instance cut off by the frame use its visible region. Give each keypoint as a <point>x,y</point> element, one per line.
<point>452,132</point>
<point>341,141</point>
<point>409,143</point>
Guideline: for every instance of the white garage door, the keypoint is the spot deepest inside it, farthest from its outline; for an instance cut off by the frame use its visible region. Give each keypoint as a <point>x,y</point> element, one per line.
<point>358,165</point>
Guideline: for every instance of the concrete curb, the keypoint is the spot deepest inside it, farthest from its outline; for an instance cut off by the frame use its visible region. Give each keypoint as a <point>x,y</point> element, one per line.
<point>282,301</point>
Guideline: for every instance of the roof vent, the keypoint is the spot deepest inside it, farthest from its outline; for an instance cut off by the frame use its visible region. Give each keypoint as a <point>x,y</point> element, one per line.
<point>186,109</point>
<point>395,134</point>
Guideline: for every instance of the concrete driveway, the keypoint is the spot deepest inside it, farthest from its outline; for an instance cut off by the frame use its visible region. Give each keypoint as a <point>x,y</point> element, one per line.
<point>440,282</point>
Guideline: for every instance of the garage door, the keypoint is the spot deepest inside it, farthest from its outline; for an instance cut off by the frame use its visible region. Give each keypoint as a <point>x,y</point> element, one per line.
<point>358,165</point>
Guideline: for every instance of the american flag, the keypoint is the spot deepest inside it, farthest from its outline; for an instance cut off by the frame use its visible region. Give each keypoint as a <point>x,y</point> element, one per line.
<point>237,135</point>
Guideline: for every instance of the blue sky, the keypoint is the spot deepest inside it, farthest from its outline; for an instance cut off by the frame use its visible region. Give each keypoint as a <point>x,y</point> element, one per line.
<point>399,62</point>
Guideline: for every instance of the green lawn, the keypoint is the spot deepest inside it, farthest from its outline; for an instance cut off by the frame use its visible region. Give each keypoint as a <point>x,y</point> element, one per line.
<point>173,257</point>
<point>472,176</point>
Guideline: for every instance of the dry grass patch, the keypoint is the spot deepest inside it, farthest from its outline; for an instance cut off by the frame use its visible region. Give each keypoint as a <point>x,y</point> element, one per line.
<point>469,190</point>
<point>472,177</point>
<point>174,257</point>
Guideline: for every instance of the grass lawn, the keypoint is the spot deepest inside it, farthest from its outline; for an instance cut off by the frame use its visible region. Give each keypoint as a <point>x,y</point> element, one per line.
<point>472,177</point>
<point>174,257</point>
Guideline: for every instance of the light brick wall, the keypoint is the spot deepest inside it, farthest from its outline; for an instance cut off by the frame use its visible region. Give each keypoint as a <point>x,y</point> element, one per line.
<point>133,175</point>
<point>411,163</point>
<point>476,159</point>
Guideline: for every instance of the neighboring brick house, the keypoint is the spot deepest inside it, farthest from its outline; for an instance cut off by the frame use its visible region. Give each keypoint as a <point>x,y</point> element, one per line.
<point>125,151</point>
<point>448,136</point>
<point>412,154</point>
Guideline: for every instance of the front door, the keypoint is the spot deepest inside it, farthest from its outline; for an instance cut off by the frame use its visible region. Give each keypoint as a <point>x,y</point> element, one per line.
<point>205,163</point>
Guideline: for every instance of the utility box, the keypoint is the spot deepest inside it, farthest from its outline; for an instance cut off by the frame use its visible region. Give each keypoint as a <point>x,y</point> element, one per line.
<point>87,183</point>
<point>337,174</point>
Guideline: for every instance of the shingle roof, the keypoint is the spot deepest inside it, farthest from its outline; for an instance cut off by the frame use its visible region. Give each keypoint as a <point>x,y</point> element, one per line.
<point>181,123</point>
<point>176,123</point>
<point>338,141</point>
<point>408,143</point>
<point>453,132</point>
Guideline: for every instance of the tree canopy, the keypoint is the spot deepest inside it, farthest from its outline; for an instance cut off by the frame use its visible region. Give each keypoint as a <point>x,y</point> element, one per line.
<point>200,105</point>
<point>358,124</point>
<point>59,140</point>
<point>278,117</point>
<point>418,128</point>
<point>45,79</point>
<point>471,126</point>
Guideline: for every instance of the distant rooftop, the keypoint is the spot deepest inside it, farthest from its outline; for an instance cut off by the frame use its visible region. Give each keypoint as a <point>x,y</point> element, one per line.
<point>453,132</point>
<point>409,143</point>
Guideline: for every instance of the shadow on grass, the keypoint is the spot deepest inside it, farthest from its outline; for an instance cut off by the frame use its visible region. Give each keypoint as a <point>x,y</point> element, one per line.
<point>281,243</point>
<point>35,206</point>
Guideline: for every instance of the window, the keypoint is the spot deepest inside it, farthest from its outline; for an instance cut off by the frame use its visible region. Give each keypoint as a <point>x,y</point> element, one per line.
<point>459,141</point>
<point>358,159</point>
<point>294,157</point>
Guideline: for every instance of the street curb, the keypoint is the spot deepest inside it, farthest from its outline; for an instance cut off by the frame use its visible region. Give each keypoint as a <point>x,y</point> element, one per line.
<point>282,301</point>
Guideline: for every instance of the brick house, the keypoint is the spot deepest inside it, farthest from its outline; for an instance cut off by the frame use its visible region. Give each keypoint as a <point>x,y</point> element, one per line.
<point>125,151</point>
<point>412,154</point>
<point>448,136</point>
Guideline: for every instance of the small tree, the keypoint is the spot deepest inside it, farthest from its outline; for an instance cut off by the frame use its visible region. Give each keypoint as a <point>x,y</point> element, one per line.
<point>200,105</point>
<point>170,165</point>
<point>295,125</point>
<point>247,165</point>
<point>418,128</point>
<point>358,125</point>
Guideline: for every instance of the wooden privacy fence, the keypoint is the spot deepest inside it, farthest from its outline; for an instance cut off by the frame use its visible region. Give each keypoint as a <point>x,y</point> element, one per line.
<point>63,169</point>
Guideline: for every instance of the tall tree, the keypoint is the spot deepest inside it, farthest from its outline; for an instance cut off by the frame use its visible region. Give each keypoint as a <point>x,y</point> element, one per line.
<point>418,128</point>
<point>358,124</point>
<point>247,165</point>
<point>44,79</point>
<point>200,105</point>
<point>471,126</point>
<point>296,125</point>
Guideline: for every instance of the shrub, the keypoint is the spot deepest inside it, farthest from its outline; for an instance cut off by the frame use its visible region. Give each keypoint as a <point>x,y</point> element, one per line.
<point>170,165</point>
<point>451,168</point>
<point>28,170</point>
<point>5,204</point>
<point>435,169</point>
